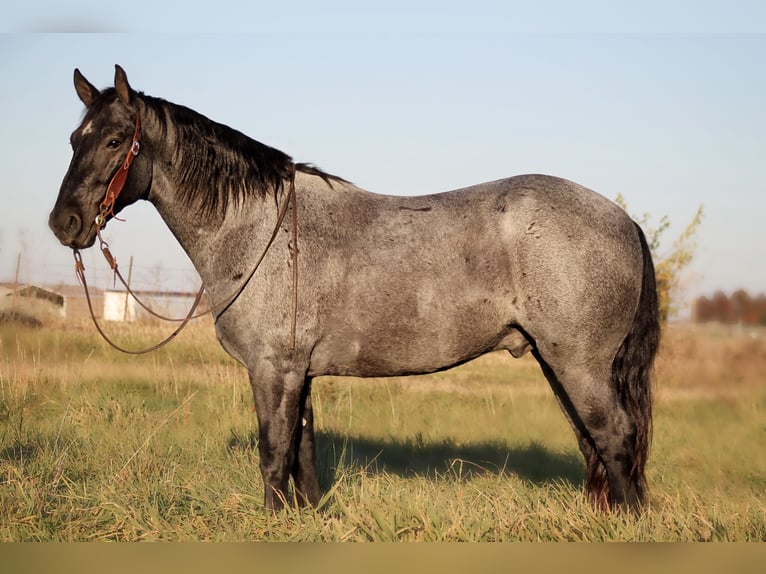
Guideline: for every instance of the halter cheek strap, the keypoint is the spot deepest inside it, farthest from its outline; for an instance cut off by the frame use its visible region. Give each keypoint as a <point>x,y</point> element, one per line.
<point>119,178</point>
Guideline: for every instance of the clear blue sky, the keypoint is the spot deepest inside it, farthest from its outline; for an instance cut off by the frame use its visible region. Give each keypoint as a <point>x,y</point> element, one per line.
<point>663,102</point>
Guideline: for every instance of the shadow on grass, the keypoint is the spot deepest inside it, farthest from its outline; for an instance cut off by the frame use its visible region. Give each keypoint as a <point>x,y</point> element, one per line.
<point>417,457</point>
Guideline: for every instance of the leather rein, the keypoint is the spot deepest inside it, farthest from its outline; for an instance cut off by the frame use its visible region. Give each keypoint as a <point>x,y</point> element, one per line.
<point>116,184</point>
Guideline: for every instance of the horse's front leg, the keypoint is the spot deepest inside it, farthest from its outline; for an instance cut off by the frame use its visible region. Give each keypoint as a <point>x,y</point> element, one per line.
<point>278,398</point>
<point>304,467</point>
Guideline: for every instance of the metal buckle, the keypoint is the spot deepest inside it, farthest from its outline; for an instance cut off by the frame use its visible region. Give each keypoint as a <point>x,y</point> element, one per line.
<point>135,148</point>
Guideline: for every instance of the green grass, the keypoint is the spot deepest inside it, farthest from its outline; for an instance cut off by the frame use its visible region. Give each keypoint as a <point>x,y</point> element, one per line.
<point>95,445</point>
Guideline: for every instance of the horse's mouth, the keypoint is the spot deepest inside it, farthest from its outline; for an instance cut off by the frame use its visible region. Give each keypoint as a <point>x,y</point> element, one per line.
<point>83,244</point>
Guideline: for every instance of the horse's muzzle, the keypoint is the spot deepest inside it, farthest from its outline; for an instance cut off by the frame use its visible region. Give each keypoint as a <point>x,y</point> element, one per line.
<point>67,226</point>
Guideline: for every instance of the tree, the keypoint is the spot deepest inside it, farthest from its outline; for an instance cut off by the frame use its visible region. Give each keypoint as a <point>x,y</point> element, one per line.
<point>722,310</point>
<point>742,305</point>
<point>741,308</point>
<point>668,266</point>
<point>760,309</point>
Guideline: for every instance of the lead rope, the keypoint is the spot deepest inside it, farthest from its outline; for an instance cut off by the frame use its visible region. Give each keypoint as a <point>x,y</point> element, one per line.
<point>112,261</point>
<point>225,304</point>
<point>294,255</point>
<point>291,198</point>
<point>79,268</point>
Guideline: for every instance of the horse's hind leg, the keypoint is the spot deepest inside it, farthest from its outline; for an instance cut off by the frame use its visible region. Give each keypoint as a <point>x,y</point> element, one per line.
<point>605,432</point>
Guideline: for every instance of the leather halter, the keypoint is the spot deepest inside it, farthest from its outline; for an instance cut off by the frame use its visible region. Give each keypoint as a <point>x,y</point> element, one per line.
<point>118,179</point>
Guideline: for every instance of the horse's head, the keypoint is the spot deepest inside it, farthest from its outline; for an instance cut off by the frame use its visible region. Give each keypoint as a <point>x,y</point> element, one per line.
<point>100,147</point>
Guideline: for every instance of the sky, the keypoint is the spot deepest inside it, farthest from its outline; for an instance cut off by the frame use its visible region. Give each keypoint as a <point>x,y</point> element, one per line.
<point>661,102</point>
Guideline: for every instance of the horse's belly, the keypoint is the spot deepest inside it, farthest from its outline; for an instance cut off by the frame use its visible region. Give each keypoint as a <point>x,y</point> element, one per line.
<point>364,345</point>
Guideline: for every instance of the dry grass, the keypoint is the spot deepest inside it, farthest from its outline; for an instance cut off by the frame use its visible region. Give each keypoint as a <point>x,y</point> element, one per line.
<point>95,445</point>
<point>713,360</point>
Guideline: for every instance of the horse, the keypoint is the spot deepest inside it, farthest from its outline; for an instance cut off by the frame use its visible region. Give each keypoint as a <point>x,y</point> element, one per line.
<point>371,285</point>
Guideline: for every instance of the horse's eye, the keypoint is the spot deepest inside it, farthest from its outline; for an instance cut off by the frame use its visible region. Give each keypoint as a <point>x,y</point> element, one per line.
<point>113,144</point>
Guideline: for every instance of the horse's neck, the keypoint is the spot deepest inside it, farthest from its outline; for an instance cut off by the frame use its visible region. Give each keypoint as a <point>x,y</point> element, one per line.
<point>210,242</point>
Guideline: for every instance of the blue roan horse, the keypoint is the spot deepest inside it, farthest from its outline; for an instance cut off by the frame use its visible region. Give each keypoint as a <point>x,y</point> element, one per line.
<point>387,285</point>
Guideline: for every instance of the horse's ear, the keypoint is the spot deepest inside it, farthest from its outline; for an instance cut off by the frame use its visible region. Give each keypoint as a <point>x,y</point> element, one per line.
<point>124,91</point>
<point>87,91</point>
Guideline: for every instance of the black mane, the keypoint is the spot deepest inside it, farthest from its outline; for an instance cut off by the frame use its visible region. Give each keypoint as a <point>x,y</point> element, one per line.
<point>216,164</point>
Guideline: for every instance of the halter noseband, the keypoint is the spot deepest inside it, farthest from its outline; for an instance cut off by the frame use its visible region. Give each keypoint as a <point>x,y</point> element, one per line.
<point>119,178</point>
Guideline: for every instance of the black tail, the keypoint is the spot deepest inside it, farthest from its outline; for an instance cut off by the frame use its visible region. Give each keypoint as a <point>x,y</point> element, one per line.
<point>632,368</point>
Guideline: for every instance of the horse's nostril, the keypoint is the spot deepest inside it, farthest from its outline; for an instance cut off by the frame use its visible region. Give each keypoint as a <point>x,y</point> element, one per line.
<point>66,225</point>
<point>73,224</point>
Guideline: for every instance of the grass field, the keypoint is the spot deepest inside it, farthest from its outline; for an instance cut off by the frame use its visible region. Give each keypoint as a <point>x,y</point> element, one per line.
<point>95,445</point>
